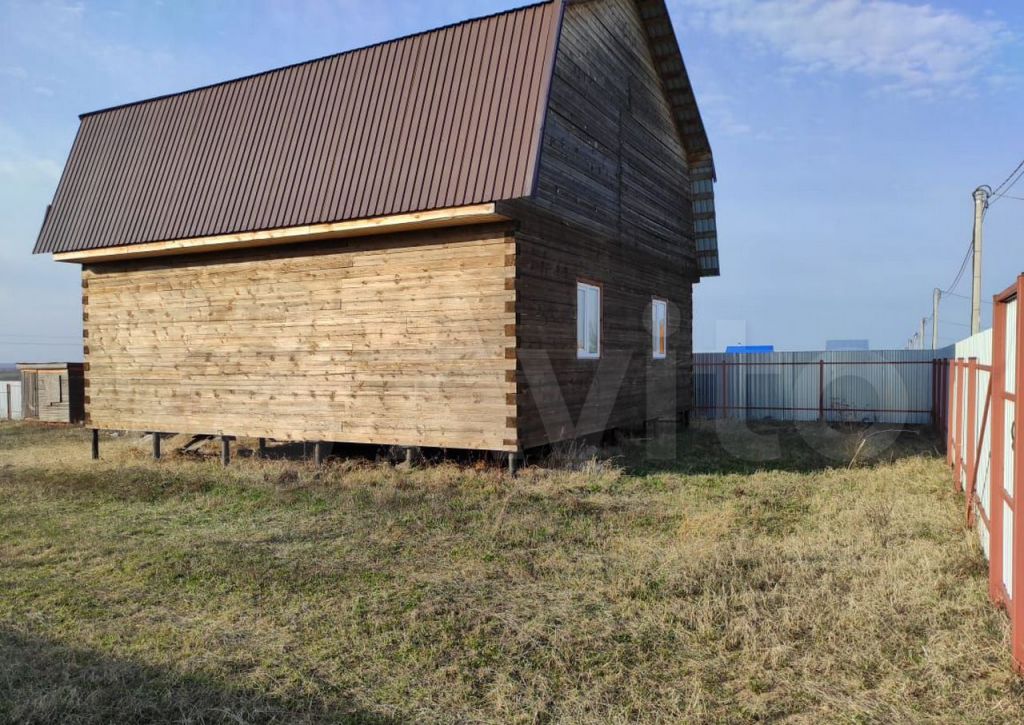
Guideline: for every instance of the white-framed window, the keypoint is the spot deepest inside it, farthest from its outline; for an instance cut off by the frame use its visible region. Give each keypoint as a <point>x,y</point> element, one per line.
<point>659,328</point>
<point>588,321</point>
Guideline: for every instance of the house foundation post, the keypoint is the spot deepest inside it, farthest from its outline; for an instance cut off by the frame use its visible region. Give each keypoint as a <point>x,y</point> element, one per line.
<point>95,444</point>
<point>156,446</point>
<point>225,450</point>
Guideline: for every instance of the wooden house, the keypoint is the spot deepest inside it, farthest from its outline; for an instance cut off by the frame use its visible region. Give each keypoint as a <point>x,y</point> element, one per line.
<point>52,392</point>
<point>484,236</point>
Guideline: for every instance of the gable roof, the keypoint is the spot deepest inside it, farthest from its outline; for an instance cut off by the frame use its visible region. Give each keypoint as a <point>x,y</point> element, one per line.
<point>446,118</point>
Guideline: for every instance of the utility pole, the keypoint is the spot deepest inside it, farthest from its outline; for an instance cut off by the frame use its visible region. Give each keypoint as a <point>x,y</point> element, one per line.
<point>920,339</point>
<point>936,296</point>
<point>980,204</point>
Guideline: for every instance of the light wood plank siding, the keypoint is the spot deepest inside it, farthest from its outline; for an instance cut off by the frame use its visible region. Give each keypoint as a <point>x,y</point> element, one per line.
<point>54,403</point>
<point>407,339</point>
<point>52,394</point>
<point>612,206</point>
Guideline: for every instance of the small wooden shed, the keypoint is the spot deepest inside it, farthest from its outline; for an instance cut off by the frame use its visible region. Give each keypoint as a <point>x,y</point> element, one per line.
<point>53,392</point>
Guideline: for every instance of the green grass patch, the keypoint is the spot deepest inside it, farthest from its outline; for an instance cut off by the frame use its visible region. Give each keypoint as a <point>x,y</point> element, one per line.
<point>696,588</point>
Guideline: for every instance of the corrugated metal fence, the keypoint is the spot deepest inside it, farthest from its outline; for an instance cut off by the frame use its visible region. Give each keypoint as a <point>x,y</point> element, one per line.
<point>971,417</point>
<point>10,400</point>
<point>878,386</point>
<point>981,440</point>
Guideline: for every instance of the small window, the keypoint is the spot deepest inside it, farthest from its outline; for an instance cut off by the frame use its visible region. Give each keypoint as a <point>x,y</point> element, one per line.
<point>659,328</point>
<point>588,321</point>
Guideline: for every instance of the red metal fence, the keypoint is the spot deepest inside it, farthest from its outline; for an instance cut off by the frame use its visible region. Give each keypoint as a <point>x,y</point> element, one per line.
<point>965,439</point>
<point>984,416</point>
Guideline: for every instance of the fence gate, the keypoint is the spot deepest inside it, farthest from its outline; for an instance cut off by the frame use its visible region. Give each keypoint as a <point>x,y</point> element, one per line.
<point>1006,509</point>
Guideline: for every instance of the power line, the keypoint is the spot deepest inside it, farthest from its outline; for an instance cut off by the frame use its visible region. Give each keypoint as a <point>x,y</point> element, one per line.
<point>964,297</point>
<point>1008,183</point>
<point>996,198</point>
<point>963,268</point>
<point>1001,191</point>
<point>27,335</point>
<point>4,343</point>
<point>914,340</point>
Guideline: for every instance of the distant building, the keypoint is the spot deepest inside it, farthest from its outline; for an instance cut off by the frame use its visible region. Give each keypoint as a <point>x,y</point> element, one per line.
<point>847,345</point>
<point>749,349</point>
<point>52,392</point>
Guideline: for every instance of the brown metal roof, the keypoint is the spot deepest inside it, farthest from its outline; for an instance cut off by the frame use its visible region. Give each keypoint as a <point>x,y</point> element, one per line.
<point>440,119</point>
<point>446,118</point>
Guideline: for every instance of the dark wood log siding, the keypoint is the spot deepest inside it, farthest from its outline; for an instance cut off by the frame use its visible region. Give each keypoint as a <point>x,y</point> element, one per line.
<point>612,205</point>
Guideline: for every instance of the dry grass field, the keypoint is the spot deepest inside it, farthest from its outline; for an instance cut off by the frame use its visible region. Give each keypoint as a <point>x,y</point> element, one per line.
<point>706,590</point>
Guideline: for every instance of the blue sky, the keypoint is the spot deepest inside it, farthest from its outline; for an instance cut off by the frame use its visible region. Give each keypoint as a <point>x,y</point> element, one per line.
<point>848,137</point>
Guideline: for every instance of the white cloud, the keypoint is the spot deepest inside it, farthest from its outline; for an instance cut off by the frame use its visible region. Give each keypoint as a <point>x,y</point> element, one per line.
<point>20,166</point>
<point>719,107</point>
<point>27,168</point>
<point>909,47</point>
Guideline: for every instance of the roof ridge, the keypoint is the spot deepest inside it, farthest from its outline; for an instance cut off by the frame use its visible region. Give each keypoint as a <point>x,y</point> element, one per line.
<point>320,59</point>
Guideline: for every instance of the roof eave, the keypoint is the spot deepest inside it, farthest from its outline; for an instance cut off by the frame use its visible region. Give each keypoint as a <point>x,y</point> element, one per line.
<point>392,224</point>
<point>553,40</point>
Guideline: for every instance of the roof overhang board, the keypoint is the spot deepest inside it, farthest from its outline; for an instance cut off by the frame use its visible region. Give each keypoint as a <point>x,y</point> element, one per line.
<point>438,218</point>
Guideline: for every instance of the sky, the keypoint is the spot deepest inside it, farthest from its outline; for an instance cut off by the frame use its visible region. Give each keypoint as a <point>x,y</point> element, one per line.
<point>848,138</point>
